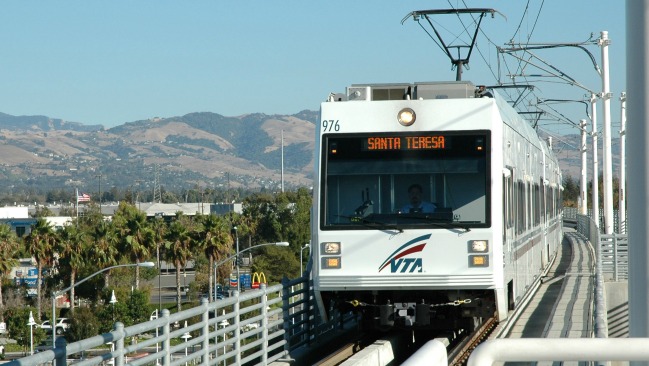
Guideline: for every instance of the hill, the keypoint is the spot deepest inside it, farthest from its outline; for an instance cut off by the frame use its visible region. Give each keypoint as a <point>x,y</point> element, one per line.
<point>197,149</point>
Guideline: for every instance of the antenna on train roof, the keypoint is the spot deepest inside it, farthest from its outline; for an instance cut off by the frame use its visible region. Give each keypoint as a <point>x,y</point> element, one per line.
<point>458,62</point>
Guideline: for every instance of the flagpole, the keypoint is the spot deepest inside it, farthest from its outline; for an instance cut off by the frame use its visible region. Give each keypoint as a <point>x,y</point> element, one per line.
<point>76,195</point>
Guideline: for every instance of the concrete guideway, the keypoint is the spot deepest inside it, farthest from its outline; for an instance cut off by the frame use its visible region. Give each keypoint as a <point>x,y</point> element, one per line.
<point>564,303</point>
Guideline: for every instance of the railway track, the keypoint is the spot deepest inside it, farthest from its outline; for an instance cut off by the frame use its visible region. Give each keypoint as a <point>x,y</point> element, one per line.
<point>386,347</point>
<point>340,355</point>
<point>397,346</point>
<point>459,354</point>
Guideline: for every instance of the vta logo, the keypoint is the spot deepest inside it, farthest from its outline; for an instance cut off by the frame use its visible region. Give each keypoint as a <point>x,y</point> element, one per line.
<point>399,264</point>
<point>403,265</point>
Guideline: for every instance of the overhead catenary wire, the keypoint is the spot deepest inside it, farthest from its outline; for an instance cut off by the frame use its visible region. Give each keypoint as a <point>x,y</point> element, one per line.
<point>528,68</point>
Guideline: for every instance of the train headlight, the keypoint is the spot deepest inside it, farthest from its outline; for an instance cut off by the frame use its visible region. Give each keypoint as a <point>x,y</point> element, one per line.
<point>406,117</point>
<point>331,263</point>
<point>478,246</point>
<point>331,248</point>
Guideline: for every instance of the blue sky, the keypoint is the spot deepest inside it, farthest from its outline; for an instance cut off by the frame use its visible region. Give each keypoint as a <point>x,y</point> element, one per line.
<point>111,62</point>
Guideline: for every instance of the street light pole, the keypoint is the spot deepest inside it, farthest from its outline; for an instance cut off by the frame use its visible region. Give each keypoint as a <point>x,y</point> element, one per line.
<point>224,323</point>
<point>186,336</point>
<point>113,300</point>
<point>306,246</point>
<point>55,294</point>
<point>31,324</point>
<point>236,234</point>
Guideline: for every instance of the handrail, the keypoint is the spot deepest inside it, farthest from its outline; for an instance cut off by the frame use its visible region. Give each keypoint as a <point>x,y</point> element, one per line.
<point>262,325</point>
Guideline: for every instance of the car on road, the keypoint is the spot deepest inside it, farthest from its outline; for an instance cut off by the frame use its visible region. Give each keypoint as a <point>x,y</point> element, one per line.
<point>44,345</point>
<point>220,295</point>
<point>61,325</point>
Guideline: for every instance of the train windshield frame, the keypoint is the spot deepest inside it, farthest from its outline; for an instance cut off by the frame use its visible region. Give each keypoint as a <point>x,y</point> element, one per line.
<point>367,180</point>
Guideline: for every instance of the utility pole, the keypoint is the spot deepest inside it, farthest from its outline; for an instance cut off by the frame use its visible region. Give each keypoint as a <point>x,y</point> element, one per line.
<point>637,79</point>
<point>282,174</point>
<point>99,175</point>
<point>607,166</point>
<point>622,188</point>
<point>583,204</point>
<point>595,191</point>
<point>236,235</point>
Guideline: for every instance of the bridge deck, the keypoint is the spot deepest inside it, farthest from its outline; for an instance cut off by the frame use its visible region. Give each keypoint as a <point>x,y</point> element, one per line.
<point>563,305</point>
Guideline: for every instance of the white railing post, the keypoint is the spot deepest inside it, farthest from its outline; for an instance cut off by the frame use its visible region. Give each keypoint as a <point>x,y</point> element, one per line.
<point>264,324</point>
<point>237,335</point>
<point>119,344</point>
<point>166,344</point>
<point>205,357</point>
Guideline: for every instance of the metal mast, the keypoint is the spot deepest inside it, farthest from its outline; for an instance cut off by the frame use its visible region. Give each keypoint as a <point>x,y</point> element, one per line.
<point>157,194</point>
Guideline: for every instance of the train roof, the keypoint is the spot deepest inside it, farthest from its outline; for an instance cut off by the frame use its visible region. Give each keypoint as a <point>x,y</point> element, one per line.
<point>442,90</point>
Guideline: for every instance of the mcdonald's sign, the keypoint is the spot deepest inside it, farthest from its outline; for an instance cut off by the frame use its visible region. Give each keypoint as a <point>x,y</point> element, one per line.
<point>257,279</point>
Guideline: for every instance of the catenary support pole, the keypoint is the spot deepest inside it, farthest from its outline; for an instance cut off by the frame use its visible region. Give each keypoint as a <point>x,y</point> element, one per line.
<point>622,189</point>
<point>595,190</point>
<point>607,164</point>
<point>637,81</point>
<point>583,190</point>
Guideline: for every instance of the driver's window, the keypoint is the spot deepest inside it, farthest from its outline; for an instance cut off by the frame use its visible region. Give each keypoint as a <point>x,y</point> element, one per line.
<point>411,190</point>
<point>351,196</point>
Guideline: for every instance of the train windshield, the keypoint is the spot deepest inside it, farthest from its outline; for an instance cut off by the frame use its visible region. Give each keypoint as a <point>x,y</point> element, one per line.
<point>405,180</point>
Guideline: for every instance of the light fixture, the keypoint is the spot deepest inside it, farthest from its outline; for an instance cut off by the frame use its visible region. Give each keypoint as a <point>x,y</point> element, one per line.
<point>331,263</point>
<point>331,248</point>
<point>406,117</point>
<point>478,246</point>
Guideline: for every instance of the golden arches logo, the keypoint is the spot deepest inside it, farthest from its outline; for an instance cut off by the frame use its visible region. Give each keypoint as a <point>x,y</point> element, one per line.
<point>257,279</point>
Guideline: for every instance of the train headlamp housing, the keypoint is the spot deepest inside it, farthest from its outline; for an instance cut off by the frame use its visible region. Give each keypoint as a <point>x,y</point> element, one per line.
<point>478,246</point>
<point>331,263</point>
<point>406,117</point>
<point>478,261</point>
<point>329,248</point>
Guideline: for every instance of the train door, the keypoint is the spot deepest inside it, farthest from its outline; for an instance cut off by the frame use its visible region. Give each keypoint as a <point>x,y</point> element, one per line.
<point>509,234</point>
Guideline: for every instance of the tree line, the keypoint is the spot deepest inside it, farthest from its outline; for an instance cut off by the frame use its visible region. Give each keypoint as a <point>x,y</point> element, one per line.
<point>94,242</point>
<point>571,188</point>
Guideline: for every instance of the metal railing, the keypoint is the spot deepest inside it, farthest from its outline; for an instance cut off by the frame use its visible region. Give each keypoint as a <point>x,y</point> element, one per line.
<point>613,248</point>
<point>612,263</point>
<point>262,326</point>
<point>253,328</point>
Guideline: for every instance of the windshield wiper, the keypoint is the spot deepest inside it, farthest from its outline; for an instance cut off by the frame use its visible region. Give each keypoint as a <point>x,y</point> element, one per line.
<point>373,224</point>
<point>436,220</point>
<point>379,225</point>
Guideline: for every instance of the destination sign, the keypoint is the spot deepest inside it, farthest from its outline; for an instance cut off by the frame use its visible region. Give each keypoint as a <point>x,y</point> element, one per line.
<point>383,143</point>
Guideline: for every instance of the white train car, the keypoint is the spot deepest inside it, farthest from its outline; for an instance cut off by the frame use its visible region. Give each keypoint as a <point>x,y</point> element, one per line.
<point>489,225</point>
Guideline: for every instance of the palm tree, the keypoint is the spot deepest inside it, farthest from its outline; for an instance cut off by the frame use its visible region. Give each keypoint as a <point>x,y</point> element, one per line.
<point>104,251</point>
<point>159,228</point>
<point>9,246</point>
<point>40,244</point>
<point>216,241</point>
<point>178,247</point>
<point>137,238</point>
<point>73,249</point>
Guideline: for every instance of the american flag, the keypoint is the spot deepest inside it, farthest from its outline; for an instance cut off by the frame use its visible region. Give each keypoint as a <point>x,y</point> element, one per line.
<point>84,197</point>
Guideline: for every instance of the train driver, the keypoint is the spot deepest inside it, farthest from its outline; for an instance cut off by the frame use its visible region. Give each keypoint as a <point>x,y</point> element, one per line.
<point>416,204</point>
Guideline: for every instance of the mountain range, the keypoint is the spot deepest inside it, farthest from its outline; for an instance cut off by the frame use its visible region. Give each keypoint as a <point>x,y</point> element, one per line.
<point>195,150</point>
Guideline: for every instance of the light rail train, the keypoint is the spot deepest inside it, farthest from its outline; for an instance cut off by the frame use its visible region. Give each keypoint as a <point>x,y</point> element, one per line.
<point>486,223</point>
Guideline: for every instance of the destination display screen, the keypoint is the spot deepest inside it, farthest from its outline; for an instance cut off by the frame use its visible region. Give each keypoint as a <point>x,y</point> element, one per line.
<point>387,143</point>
